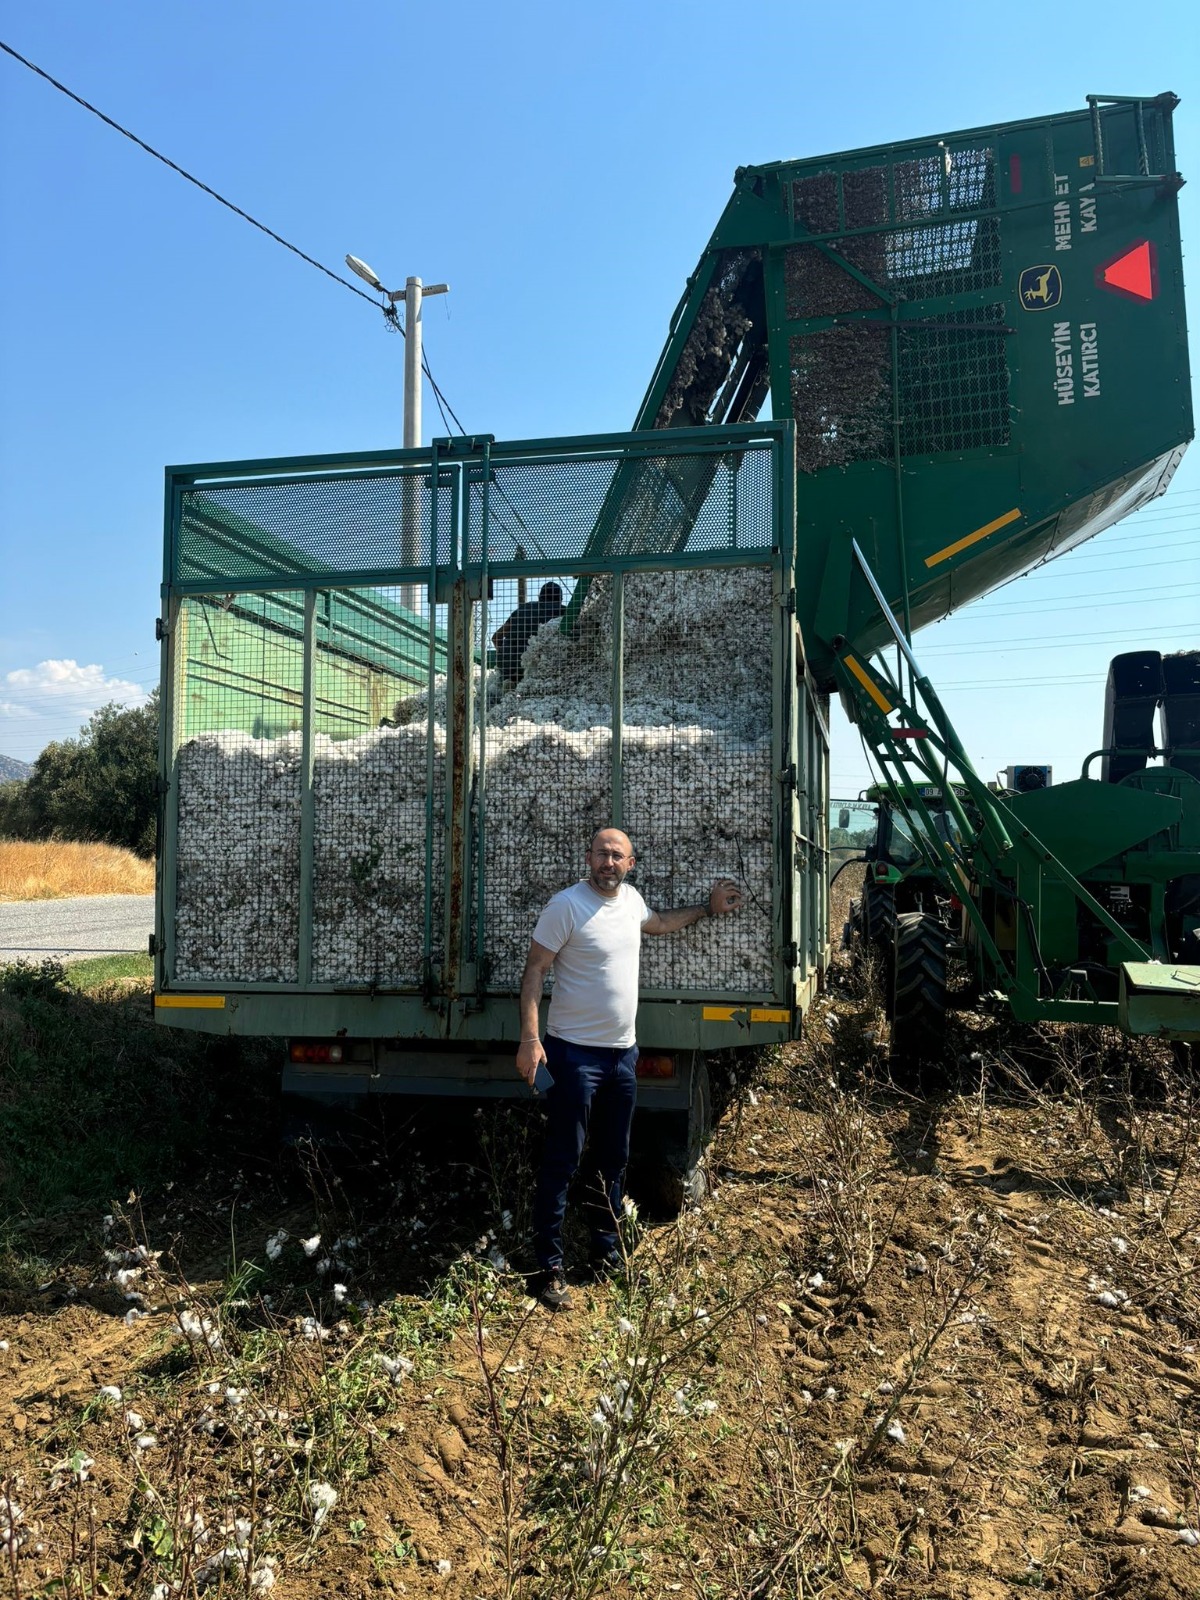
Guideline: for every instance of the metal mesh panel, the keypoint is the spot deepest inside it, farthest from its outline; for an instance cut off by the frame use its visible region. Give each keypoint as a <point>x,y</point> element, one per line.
<point>660,505</point>
<point>237,711</point>
<point>954,383</point>
<point>841,395</point>
<point>370,781</point>
<point>941,257</point>
<point>696,769</point>
<point>360,771</point>
<point>547,771</point>
<point>243,531</point>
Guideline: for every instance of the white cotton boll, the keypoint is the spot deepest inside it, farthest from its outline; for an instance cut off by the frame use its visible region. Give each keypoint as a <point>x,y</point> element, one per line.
<point>146,1441</point>
<point>895,1431</point>
<point>134,1316</point>
<point>1139,1491</point>
<point>134,1421</point>
<point>817,1281</point>
<point>264,1576</point>
<point>443,1569</point>
<point>275,1244</point>
<point>319,1499</point>
<point>886,1387</point>
<point>339,1293</point>
<point>310,1328</point>
<point>396,1367</point>
<point>109,1392</point>
<point>624,1327</point>
<point>1111,1298</point>
<point>1189,1536</point>
<point>311,1246</point>
<point>195,1327</point>
<point>127,1277</point>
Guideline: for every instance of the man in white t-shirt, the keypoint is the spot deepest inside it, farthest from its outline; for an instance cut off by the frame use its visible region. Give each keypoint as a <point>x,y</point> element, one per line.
<point>591,934</point>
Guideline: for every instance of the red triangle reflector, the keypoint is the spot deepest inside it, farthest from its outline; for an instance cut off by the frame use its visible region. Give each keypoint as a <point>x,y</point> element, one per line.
<point>1134,273</point>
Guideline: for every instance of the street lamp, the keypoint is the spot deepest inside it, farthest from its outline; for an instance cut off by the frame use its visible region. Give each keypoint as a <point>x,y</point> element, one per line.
<point>412,294</point>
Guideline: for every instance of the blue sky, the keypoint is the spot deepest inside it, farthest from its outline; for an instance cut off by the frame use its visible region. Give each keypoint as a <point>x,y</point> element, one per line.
<point>562,167</point>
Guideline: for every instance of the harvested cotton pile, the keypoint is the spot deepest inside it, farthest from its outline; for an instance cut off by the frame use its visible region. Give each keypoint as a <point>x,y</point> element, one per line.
<point>238,858</point>
<point>697,801</point>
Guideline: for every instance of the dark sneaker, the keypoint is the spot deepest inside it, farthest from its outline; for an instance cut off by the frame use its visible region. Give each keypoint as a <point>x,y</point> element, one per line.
<point>549,1289</point>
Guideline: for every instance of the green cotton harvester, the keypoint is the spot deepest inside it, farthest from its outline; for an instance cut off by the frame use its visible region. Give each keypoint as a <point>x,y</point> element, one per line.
<point>981,338</point>
<point>975,354</point>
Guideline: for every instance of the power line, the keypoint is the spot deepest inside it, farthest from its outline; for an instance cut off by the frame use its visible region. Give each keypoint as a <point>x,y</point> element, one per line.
<point>1049,605</point>
<point>175,167</point>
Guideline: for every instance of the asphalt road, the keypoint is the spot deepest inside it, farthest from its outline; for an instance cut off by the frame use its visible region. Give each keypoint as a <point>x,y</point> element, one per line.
<point>72,930</point>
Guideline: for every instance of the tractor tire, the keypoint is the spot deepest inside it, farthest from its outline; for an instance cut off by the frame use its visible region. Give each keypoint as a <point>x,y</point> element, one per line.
<point>879,914</point>
<point>918,993</point>
<point>879,929</point>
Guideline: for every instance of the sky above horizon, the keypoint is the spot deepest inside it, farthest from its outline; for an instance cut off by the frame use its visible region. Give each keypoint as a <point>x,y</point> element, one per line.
<point>563,169</point>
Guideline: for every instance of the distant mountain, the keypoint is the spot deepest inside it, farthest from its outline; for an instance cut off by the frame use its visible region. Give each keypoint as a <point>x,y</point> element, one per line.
<point>9,769</point>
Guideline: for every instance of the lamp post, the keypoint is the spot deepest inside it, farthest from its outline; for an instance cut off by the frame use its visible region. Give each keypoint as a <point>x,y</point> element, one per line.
<point>412,294</point>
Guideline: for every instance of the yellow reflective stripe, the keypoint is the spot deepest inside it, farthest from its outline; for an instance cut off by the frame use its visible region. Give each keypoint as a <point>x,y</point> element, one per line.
<point>868,683</point>
<point>973,538</point>
<point>191,1002</point>
<point>757,1013</point>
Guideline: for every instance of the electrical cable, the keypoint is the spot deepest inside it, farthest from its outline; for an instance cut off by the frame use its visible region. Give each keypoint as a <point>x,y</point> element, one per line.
<point>183,173</point>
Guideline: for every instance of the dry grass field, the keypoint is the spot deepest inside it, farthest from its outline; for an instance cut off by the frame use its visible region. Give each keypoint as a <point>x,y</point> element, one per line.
<point>54,870</point>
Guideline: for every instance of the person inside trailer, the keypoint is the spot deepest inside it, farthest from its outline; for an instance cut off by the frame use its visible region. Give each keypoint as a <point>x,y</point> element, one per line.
<point>512,640</point>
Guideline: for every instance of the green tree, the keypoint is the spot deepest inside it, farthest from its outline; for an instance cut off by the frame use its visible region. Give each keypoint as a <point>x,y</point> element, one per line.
<point>101,786</point>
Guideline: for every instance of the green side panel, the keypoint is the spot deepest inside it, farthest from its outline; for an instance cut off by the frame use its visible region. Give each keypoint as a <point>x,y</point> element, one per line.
<point>241,666</point>
<point>980,335</point>
<point>1086,822</point>
<point>242,661</point>
<point>1160,999</point>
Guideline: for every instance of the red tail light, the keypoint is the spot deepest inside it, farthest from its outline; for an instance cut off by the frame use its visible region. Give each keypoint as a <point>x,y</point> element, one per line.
<point>651,1066</point>
<point>306,1050</point>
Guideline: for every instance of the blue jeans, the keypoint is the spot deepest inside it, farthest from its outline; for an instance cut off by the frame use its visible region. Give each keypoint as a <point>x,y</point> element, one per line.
<point>591,1103</point>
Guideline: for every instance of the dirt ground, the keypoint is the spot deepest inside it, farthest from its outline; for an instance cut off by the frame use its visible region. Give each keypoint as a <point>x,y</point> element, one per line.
<point>939,1346</point>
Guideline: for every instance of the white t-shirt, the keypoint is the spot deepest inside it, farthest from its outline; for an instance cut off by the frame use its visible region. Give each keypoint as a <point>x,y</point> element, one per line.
<point>597,944</point>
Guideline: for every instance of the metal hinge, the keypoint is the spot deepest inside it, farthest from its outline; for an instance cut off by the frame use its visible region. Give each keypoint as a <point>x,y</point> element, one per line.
<point>791,954</point>
<point>788,777</point>
<point>161,628</point>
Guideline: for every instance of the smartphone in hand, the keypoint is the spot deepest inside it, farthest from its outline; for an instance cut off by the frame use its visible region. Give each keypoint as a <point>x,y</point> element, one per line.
<point>543,1081</point>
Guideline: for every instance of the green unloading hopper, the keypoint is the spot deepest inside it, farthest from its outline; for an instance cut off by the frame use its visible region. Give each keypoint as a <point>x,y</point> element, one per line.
<point>981,338</point>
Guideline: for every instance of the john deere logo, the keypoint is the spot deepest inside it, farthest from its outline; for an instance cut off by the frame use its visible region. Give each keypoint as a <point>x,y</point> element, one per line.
<point>1040,288</point>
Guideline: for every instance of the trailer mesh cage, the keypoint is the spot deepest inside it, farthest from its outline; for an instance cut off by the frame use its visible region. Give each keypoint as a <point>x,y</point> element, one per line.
<point>402,693</point>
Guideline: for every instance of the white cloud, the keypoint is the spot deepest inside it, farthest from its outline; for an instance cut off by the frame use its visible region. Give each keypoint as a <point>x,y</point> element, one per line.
<point>52,700</point>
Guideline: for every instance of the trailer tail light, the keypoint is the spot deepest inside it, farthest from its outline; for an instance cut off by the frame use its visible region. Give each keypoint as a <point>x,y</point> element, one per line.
<point>308,1050</point>
<point>652,1066</point>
